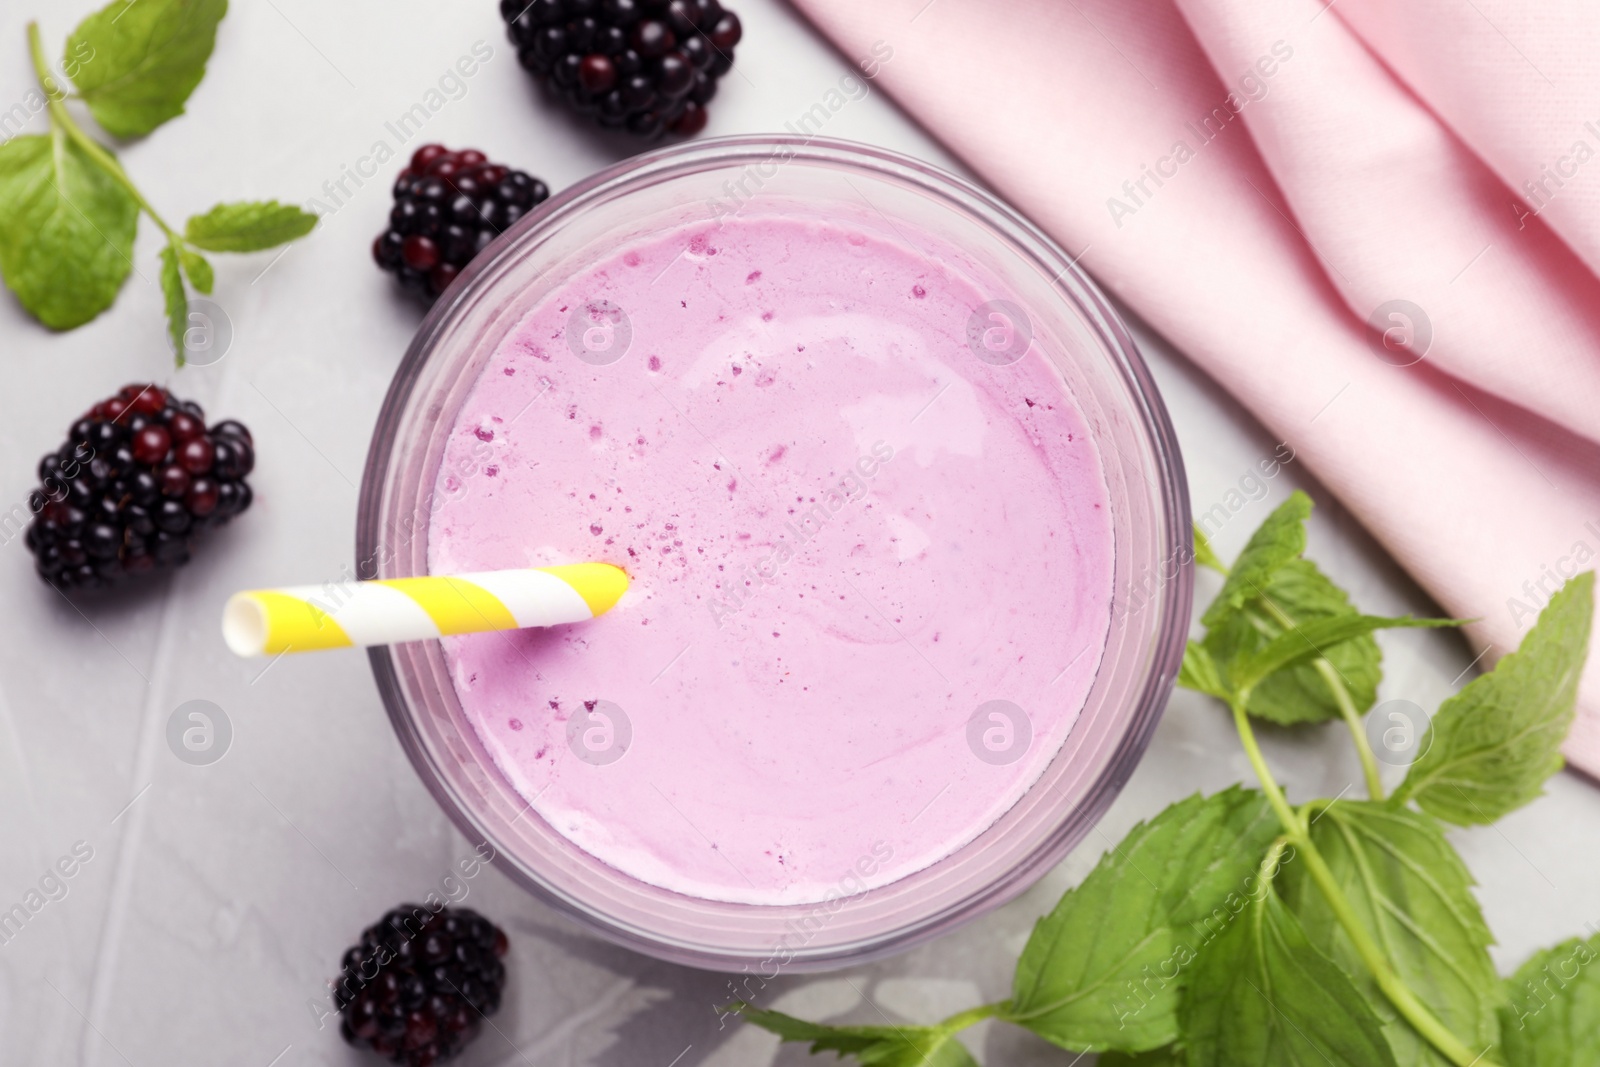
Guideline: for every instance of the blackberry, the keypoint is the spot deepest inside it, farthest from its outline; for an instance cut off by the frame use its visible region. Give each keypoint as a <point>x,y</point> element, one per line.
<point>137,482</point>
<point>643,65</point>
<point>419,982</point>
<point>448,206</point>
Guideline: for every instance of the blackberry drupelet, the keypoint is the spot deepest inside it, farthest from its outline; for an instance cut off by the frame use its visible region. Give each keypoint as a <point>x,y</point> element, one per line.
<point>138,480</point>
<point>419,982</point>
<point>643,65</point>
<point>448,206</point>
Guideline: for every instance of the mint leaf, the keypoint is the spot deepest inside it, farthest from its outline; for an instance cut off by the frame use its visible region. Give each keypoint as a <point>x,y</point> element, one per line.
<point>1262,996</point>
<point>66,229</point>
<point>874,1046</point>
<point>1233,637</point>
<point>1299,592</point>
<point>1410,889</point>
<point>1104,969</point>
<point>1281,538</point>
<point>1492,745</point>
<point>1204,554</point>
<point>145,58</point>
<point>1199,672</point>
<point>1553,1009</point>
<point>197,269</point>
<point>249,226</point>
<point>1314,638</point>
<point>177,300</point>
<point>1161,1057</point>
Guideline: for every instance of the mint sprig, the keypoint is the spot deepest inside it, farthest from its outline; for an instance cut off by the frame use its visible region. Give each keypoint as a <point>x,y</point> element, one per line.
<point>1298,592</point>
<point>66,229</point>
<point>1263,996</point>
<point>177,299</point>
<point>1493,744</point>
<point>1144,909</point>
<point>1279,540</point>
<point>1408,886</point>
<point>1239,930</point>
<point>147,58</point>
<point>252,226</point>
<point>68,210</point>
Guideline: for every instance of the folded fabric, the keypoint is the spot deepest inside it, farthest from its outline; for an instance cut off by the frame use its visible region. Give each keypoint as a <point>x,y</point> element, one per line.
<point>1377,225</point>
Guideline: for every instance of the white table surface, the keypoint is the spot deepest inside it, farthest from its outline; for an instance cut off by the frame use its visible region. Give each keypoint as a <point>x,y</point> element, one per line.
<point>219,898</point>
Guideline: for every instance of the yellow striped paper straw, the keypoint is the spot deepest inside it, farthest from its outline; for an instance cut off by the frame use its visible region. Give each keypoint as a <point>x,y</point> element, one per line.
<point>386,611</point>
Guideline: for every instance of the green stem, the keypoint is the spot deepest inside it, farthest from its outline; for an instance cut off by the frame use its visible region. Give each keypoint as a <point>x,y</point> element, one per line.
<point>47,81</point>
<point>61,119</point>
<point>1268,871</point>
<point>1347,706</point>
<point>1352,720</point>
<point>1292,824</point>
<point>1400,995</point>
<point>962,1020</point>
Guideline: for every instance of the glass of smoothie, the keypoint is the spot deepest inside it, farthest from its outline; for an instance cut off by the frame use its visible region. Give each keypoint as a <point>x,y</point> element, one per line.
<point>904,520</point>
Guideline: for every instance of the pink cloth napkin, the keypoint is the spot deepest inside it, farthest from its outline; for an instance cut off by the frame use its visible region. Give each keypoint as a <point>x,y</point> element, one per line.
<point>1257,178</point>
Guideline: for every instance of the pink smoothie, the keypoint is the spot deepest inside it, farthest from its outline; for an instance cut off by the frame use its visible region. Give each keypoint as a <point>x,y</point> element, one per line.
<point>845,532</point>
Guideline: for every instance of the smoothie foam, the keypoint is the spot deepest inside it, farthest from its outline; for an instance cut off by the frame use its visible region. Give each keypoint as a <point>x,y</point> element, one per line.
<point>845,532</point>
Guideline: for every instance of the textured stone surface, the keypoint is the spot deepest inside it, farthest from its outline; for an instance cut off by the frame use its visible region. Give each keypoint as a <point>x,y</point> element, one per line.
<point>219,898</point>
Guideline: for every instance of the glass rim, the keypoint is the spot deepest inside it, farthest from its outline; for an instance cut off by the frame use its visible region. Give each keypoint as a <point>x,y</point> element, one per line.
<point>1172,600</point>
